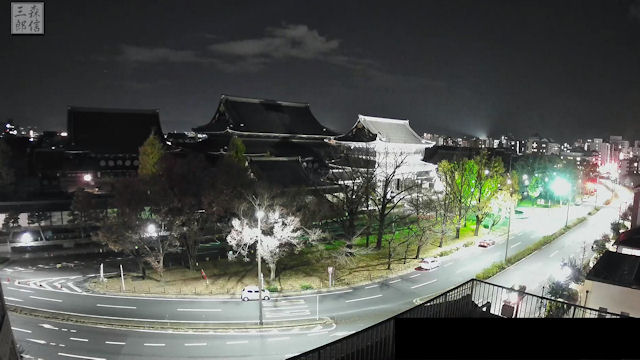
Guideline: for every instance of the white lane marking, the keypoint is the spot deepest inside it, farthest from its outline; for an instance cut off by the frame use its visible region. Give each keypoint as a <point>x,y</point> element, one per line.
<point>57,283</point>
<point>412,276</point>
<point>48,326</point>
<point>286,308</point>
<point>195,344</point>
<point>199,309</point>
<point>553,253</point>
<point>66,290</point>
<point>461,270</point>
<point>365,298</point>
<point>23,290</point>
<point>38,341</point>
<point>18,329</point>
<point>73,331</point>
<point>427,283</point>
<point>116,306</point>
<point>78,339</point>
<point>237,342</point>
<point>41,298</point>
<point>156,320</point>
<point>74,287</point>
<point>14,299</point>
<point>80,356</point>
<point>447,264</point>
<point>318,333</point>
<point>394,281</point>
<point>148,344</point>
<point>114,343</point>
<point>516,244</point>
<point>371,286</point>
<point>279,338</point>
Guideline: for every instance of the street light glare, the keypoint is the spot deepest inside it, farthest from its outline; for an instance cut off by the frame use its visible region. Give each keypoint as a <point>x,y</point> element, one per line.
<point>260,214</point>
<point>87,177</point>
<point>26,238</point>
<point>151,229</point>
<point>560,186</point>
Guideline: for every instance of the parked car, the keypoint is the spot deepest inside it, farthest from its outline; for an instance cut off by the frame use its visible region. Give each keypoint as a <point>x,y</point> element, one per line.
<point>429,263</point>
<point>251,293</point>
<point>486,243</point>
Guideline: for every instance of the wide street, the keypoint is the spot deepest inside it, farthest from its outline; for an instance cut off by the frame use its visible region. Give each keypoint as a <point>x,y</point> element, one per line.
<point>350,309</point>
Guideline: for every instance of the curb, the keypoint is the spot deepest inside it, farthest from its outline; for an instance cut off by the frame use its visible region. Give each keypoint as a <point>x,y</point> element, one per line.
<point>173,325</point>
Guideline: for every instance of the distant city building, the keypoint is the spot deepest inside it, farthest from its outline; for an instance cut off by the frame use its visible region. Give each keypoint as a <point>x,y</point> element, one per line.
<point>537,145</point>
<point>553,148</point>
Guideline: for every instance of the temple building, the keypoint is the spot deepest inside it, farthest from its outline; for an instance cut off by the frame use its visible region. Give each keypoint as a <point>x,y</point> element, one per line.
<point>99,145</point>
<point>391,142</point>
<point>284,142</point>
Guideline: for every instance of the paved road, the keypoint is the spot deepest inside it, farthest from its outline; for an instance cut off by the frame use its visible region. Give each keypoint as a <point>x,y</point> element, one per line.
<point>352,309</point>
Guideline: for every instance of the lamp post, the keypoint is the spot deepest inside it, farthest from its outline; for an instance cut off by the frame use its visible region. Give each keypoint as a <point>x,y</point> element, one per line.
<point>259,215</point>
<point>561,187</point>
<point>506,248</point>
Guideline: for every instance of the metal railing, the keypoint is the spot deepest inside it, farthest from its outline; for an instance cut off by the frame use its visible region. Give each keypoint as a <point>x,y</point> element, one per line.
<point>472,299</point>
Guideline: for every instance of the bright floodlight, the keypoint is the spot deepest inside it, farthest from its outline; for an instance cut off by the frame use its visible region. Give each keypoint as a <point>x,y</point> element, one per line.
<point>151,230</point>
<point>26,238</point>
<point>260,214</point>
<point>486,172</point>
<point>87,177</point>
<point>560,186</point>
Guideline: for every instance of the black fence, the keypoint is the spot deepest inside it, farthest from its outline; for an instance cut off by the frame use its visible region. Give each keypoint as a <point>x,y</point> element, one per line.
<point>472,299</point>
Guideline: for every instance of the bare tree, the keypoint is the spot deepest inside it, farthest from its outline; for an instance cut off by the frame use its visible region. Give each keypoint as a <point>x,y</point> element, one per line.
<point>279,233</point>
<point>390,189</point>
<point>352,175</point>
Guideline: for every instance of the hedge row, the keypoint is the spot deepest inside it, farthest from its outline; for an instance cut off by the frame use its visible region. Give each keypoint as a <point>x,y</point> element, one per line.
<point>497,267</point>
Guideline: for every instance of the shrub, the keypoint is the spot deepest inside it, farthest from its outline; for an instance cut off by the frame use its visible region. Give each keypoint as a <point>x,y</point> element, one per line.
<point>273,288</point>
<point>446,252</point>
<point>306,287</point>
<point>469,243</point>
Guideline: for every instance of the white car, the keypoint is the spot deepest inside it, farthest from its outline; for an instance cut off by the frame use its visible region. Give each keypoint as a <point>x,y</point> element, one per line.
<point>251,293</point>
<point>429,263</point>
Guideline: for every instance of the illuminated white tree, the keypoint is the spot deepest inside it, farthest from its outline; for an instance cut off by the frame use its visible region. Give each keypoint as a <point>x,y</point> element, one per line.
<point>280,233</point>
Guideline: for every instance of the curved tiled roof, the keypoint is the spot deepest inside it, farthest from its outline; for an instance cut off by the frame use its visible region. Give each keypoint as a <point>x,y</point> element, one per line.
<point>386,130</point>
<point>264,116</point>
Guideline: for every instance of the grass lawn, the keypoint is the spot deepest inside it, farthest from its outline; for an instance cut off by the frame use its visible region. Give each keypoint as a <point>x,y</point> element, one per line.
<point>307,269</point>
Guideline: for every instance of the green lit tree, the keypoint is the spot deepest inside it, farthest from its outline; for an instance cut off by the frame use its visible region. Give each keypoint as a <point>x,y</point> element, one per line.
<point>237,151</point>
<point>150,156</point>
<point>459,181</point>
<point>489,177</point>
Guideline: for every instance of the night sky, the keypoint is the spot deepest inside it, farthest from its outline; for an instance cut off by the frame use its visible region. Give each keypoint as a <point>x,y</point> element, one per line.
<point>564,69</point>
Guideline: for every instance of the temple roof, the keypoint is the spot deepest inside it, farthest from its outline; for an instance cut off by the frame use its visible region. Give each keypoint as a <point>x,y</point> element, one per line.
<point>264,116</point>
<point>110,131</point>
<point>369,128</point>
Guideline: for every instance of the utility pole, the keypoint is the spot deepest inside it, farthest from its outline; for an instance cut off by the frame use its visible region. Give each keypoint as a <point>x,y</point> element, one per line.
<point>506,248</point>
<point>259,214</point>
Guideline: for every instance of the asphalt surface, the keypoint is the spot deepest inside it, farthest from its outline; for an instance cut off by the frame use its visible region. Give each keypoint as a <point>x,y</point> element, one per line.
<point>352,309</point>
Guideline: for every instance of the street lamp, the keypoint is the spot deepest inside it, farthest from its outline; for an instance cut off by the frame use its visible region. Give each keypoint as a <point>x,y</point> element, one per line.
<point>506,248</point>
<point>561,187</point>
<point>259,215</point>
<point>87,177</point>
<point>152,230</point>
